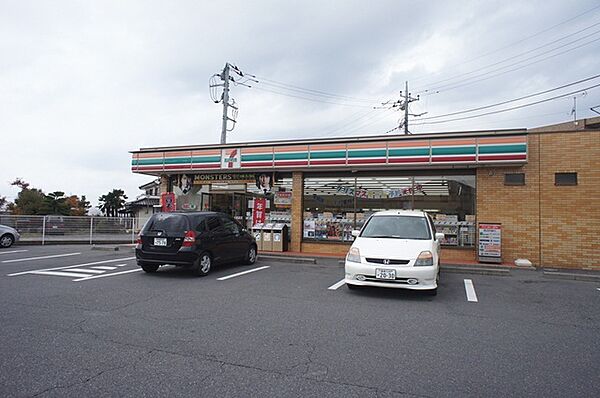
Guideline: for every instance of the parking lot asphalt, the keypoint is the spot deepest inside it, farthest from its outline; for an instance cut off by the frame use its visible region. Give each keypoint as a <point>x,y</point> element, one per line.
<point>78,322</point>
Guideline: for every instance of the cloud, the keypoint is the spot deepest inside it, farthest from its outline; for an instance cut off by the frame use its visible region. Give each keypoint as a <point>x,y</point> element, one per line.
<point>85,83</point>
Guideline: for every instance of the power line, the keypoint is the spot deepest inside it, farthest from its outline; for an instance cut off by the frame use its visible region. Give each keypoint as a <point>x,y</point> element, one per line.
<point>373,119</point>
<point>283,85</point>
<point>514,43</point>
<point>351,122</point>
<point>468,83</point>
<point>512,100</point>
<point>309,99</point>
<point>512,108</point>
<point>519,55</point>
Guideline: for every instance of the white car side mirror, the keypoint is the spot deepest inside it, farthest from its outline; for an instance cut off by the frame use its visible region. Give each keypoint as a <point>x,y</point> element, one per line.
<point>355,233</point>
<point>439,236</point>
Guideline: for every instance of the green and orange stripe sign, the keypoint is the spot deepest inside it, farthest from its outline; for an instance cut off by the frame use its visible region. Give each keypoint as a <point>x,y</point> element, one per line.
<point>257,157</point>
<point>397,152</point>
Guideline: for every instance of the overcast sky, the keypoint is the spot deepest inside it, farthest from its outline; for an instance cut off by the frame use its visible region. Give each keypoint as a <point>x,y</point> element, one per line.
<point>84,82</point>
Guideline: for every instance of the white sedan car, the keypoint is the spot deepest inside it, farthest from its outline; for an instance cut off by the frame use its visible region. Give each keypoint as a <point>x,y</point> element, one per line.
<point>395,248</point>
<point>8,236</point>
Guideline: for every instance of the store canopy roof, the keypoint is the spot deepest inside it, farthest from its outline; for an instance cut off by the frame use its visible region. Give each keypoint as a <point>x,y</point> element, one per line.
<point>442,150</point>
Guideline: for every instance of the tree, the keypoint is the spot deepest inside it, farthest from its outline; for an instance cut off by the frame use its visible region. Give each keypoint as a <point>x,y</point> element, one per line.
<point>19,182</point>
<point>112,202</point>
<point>78,207</point>
<point>56,203</point>
<point>30,201</point>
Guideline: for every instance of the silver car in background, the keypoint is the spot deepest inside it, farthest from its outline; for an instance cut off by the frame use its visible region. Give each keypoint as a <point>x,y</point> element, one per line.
<point>8,236</point>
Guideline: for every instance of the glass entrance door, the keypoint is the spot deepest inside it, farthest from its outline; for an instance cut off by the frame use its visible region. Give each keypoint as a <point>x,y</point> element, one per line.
<point>222,202</point>
<point>231,203</point>
<point>239,207</point>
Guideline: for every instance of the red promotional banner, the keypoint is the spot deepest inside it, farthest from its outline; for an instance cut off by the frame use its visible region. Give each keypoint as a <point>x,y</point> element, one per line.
<point>168,202</point>
<point>258,213</point>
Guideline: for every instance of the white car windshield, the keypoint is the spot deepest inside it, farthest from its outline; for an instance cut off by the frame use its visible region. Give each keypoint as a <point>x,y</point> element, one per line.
<point>398,227</point>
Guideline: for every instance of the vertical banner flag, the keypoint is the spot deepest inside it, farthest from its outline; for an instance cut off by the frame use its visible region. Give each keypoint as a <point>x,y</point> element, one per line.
<point>258,213</point>
<point>168,202</point>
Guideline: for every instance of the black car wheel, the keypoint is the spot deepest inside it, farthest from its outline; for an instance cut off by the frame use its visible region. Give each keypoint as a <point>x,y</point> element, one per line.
<point>353,287</point>
<point>7,240</point>
<point>203,265</point>
<point>251,255</point>
<point>149,268</point>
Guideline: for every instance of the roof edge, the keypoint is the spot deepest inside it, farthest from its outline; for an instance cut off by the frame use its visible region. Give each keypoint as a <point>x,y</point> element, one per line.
<point>459,134</point>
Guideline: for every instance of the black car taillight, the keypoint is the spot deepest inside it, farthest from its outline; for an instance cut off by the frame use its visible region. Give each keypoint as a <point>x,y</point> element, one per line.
<point>190,239</point>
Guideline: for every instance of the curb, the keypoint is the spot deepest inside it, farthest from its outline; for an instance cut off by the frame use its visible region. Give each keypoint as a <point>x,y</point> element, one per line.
<point>572,276</point>
<point>106,248</point>
<point>475,270</point>
<point>113,248</point>
<point>301,260</point>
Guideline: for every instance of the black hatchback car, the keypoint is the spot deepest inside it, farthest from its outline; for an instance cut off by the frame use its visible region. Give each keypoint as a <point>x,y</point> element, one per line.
<point>194,239</point>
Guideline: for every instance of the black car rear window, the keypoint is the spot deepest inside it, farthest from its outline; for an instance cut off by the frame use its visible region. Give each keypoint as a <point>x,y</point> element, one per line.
<point>168,223</point>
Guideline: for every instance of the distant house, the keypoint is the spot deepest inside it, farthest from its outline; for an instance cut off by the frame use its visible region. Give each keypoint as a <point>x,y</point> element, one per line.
<point>146,204</point>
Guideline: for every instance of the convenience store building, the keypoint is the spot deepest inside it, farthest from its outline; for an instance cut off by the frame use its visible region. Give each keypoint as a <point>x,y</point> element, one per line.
<point>541,187</point>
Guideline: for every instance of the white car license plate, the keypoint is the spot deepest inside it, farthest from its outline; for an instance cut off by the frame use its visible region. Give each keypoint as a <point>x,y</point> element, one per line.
<point>160,241</point>
<point>385,273</point>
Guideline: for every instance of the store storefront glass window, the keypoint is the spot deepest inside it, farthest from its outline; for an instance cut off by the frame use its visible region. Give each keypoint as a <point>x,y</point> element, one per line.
<point>451,202</point>
<point>329,209</point>
<point>333,206</point>
<point>235,194</point>
<point>375,194</point>
<point>277,197</point>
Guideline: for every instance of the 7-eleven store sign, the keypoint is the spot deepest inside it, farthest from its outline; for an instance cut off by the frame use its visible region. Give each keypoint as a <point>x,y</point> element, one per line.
<point>230,158</point>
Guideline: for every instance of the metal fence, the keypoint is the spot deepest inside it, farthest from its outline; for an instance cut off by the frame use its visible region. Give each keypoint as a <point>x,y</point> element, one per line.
<point>48,229</point>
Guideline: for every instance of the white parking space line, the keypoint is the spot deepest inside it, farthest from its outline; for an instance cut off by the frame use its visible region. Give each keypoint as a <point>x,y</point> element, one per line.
<point>242,273</point>
<point>40,258</point>
<point>107,275</point>
<point>105,267</point>
<point>75,266</point>
<point>58,273</point>
<point>14,251</point>
<point>336,285</point>
<point>470,290</point>
<point>84,270</point>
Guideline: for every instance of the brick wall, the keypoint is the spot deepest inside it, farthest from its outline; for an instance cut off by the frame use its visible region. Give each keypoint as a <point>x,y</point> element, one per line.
<point>297,211</point>
<point>547,224</point>
<point>570,215</point>
<point>515,207</point>
<point>338,249</point>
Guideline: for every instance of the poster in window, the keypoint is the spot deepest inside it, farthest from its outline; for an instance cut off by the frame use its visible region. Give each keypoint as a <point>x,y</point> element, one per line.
<point>283,199</point>
<point>309,228</point>
<point>187,194</point>
<point>264,182</point>
<point>167,201</point>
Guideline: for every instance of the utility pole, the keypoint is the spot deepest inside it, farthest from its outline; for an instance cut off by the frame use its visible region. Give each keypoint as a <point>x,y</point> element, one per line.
<point>217,96</point>
<point>225,78</point>
<point>407,100</point>
<point>402,103</point>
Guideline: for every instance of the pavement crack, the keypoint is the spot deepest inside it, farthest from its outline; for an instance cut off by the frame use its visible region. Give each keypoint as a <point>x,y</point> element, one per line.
<point>94,376</point>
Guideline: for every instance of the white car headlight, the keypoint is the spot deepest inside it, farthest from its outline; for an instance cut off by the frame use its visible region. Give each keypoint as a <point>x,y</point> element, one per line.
<point>425,259</point>
<point>353,255</point>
